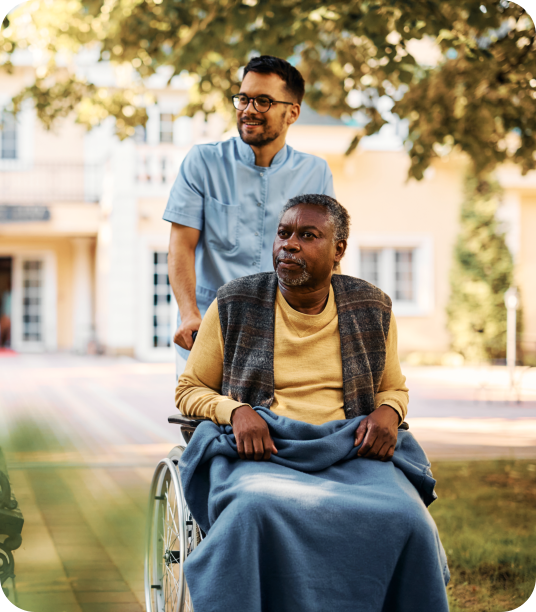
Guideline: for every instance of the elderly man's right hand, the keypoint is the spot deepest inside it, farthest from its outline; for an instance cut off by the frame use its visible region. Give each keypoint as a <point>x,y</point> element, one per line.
<point>253,439</point>
<point>189,325</point>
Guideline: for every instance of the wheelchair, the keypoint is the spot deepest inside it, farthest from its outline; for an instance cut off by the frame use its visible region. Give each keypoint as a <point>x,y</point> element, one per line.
<point>172,533</point>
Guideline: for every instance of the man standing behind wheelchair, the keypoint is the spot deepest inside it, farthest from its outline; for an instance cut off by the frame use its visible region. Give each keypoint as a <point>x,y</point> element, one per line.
<point>311,496</point>
<point>225,202</point>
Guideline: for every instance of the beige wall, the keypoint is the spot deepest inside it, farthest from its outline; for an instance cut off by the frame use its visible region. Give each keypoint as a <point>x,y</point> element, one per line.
<point>12,83</point>
<point>65,142</point>
<point>526,271</point>
<point>150,211</point>
<point>62,249</point>
<point>374,187</point>
<point>49,165</point>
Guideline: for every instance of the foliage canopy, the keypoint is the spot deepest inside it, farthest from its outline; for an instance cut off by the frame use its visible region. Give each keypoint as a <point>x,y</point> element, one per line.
<point>478,97</point>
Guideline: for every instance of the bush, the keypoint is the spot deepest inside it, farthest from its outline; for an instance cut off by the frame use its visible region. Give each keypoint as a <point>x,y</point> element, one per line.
<point>481,273</point>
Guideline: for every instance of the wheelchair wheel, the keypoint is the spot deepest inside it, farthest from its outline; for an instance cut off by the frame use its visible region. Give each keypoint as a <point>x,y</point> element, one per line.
<point>172,534</point>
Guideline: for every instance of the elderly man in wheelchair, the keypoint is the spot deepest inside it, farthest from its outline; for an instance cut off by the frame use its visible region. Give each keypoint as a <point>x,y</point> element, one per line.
<point>301,488</point>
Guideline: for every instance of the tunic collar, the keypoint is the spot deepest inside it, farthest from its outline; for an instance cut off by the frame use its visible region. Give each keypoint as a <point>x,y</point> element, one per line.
<point>247,155</point>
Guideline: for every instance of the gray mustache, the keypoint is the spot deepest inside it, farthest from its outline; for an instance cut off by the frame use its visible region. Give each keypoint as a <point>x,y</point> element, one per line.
<point>297,260</point>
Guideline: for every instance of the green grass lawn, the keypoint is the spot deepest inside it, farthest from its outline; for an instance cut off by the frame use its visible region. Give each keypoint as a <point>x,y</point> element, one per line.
<point>486,515</point>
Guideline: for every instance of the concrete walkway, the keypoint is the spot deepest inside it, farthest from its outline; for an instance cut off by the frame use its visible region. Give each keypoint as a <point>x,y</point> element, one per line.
<point>81,436</point>
<point>471,413</point>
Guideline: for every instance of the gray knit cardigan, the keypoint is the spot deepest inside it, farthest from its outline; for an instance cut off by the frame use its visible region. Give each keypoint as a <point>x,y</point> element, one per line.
<point>246,309</point>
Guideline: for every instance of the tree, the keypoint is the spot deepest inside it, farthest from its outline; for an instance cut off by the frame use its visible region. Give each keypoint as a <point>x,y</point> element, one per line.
<point>481,91</point>
<point>481,273</point>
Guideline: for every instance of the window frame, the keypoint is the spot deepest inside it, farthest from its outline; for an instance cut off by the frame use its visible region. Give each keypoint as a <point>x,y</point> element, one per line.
<point>25,122</point>
<point>423,268</point>
<point>3,114</point>
<point>144,348</point>
<point>171,125</point>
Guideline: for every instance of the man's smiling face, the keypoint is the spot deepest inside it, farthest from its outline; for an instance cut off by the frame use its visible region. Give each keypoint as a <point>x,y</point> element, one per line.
<point>259,129</point>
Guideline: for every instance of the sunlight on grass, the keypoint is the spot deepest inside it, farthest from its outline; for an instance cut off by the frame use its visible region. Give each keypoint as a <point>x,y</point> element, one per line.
<point>31,436</point>
<point>486,515</point>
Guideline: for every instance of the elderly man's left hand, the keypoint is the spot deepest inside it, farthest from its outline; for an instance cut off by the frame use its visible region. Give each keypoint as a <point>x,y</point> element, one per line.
<point>378,432</point>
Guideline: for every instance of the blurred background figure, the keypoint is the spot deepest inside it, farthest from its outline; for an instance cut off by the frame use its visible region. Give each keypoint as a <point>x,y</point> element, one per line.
<point>5,302</point>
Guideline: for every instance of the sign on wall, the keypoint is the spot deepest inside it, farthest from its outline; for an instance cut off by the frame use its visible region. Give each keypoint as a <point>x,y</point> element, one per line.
<point>23,214</point>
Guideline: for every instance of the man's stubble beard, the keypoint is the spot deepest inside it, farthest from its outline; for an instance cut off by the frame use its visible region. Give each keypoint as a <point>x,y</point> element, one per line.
<point>283,276</point>
<point>261,140</point>
<point>302,279</point>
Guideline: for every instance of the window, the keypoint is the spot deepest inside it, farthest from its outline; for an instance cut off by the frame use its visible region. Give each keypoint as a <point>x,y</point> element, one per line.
<point>32,289</point>
<point>404,275</point>
<point>391,269</point>
<point>166,127</point>
<point>161,301</point>
<point>140,134</point>
<point>402,265</point>
<point>370,265</point>
<point>8,135</point>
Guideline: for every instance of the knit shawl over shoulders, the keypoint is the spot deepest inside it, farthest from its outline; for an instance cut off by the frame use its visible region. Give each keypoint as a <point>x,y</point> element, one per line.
<point>246,309</point>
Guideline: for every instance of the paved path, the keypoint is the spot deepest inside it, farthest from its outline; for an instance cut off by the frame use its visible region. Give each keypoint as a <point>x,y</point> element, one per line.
<point>470,413</point>
<point>81,436</point>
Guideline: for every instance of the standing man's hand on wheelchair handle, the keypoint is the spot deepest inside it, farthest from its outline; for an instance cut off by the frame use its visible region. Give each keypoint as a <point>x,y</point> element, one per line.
<point>183,336</point>
<point>252,435</point>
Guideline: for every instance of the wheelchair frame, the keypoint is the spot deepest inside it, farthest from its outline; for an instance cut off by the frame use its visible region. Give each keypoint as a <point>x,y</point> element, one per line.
<point>172,533</point>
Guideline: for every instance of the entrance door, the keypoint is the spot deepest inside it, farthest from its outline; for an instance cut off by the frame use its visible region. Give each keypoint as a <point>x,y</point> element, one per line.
<point>33,302</point>
<point>157,307</point>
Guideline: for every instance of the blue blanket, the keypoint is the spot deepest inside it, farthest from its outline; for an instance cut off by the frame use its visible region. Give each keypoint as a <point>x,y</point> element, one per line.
<point>314,529</point>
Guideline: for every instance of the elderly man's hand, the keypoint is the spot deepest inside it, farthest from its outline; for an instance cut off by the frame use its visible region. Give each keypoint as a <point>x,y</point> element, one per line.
<point>253,439</point>
<point>378,432</point>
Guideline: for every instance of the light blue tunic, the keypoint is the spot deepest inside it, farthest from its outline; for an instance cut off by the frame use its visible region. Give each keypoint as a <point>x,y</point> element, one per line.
<point>220,191</point>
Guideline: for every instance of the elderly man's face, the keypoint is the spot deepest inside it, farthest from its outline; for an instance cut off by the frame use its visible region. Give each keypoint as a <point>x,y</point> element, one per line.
<point>304,252</point>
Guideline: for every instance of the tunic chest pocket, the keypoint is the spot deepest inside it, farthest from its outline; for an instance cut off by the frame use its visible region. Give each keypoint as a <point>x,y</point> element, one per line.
<point>221,224</point>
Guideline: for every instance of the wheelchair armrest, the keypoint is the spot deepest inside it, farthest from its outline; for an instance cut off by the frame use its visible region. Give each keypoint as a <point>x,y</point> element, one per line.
<point>187,423</point>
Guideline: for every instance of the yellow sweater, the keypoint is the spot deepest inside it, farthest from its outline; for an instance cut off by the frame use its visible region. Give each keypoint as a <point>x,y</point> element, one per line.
<point>307,368</point>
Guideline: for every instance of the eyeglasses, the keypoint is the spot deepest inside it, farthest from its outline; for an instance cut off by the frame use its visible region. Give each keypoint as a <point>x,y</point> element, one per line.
<point>261,104</point>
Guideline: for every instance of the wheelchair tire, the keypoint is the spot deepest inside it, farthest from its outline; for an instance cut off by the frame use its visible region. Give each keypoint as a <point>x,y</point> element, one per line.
<point>172,534</point>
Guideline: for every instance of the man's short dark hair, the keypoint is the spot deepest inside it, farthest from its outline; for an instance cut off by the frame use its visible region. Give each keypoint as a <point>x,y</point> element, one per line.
<point>267,64</point>
<point>336,212</point>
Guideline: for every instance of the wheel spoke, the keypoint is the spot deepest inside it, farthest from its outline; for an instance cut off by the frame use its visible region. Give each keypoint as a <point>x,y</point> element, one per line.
<point>170,541</point>
<point>173,588</point>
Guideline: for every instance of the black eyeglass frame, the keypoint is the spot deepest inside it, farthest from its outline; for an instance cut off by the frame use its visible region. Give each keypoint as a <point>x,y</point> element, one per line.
<point>236,96</point>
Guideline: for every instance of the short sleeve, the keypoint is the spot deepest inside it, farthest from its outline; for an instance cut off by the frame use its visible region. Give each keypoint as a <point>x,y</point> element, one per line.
<point>328,183</point>
<point>186,200</point>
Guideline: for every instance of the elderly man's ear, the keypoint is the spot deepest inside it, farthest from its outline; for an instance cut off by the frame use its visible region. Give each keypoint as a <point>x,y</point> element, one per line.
<point>340,250</point>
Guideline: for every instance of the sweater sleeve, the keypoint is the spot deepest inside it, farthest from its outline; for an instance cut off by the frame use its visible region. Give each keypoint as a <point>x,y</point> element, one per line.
<point>393,391</point>
<point>198,389</point>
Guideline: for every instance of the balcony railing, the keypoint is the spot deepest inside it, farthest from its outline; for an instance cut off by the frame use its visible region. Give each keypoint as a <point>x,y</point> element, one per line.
<point>157,166</point>
<point>49,183</point>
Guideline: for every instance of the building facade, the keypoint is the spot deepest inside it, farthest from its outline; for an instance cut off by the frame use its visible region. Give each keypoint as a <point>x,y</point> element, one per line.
<point>83,248</point>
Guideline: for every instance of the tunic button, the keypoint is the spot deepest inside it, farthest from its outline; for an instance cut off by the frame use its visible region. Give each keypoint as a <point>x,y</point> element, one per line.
<point>262,173</point>
<point>256,233</point>
<point>259,204</point>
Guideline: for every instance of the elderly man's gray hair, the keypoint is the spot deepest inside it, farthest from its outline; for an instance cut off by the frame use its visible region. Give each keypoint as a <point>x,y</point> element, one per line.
<point>336,212</point>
